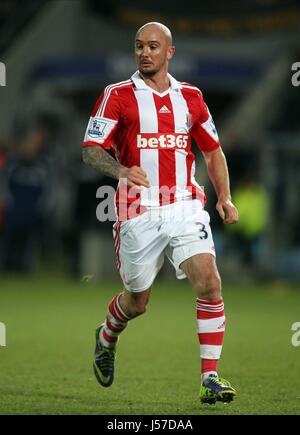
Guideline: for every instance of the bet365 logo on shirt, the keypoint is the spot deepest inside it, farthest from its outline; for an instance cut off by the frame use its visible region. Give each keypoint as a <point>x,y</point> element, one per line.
<point>157,140</point>
<point>296,335</point>
<point>2,335</point>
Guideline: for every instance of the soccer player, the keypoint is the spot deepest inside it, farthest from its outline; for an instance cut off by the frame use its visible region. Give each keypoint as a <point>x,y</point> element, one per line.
<point>148,121</point>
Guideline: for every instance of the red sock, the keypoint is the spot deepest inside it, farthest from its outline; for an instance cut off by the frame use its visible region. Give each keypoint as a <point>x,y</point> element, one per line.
<point>211,326</point>
<point>116,321</point>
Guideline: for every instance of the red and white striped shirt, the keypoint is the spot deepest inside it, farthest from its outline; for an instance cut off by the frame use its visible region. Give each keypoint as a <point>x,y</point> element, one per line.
<point>153,130</point>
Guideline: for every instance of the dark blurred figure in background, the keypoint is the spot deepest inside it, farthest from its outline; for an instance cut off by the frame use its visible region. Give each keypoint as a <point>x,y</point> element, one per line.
<point>3,151</point>
<point>27,192</point>
<point>253,203</point>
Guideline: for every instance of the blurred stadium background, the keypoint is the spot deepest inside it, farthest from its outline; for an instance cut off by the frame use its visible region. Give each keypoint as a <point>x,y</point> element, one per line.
<point>59,54</point>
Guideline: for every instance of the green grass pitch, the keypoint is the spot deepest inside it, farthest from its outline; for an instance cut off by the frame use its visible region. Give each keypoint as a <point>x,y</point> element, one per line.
<point>46,367</point>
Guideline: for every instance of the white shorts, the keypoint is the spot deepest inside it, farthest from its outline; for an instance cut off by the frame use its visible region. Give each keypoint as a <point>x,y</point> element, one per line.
<point>179,230</point>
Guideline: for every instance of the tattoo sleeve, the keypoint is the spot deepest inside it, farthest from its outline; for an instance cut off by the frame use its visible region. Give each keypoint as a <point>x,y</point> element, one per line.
<point>102,161</point>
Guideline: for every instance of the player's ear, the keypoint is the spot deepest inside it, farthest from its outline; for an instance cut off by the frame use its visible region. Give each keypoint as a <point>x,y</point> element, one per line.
<point>170,52</point>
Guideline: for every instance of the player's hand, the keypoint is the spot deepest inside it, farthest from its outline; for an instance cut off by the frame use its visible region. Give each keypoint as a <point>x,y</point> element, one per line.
<point>136,176</point>
<point>227,211</point>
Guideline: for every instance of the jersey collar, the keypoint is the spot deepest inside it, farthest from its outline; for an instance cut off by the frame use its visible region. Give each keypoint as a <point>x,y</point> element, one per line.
<point>140,84</point>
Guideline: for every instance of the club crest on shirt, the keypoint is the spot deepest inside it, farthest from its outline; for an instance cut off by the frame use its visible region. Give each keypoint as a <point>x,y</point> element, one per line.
<point>189,121</point>
<point>96,128</point>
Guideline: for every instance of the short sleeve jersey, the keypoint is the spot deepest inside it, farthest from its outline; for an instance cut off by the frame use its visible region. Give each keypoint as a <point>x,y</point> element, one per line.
<point>154,130</point>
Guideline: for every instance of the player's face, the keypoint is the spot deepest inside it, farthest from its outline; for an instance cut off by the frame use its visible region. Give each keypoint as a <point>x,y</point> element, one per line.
<point>152,50</point>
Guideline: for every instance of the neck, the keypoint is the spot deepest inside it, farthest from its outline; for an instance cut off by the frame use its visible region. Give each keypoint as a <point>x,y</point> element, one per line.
<point>159,81</point>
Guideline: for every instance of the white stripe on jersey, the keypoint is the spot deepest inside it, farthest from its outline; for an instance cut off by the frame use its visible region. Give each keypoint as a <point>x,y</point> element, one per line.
<point>181,174</point>
<point>193,180</point>
<point>150,164</point>
<point>209,127</point>
<point>187,86</point>
<point>148,158</point>
<point>180,111</point>
<point>147,111</point>
<point>107,93</point>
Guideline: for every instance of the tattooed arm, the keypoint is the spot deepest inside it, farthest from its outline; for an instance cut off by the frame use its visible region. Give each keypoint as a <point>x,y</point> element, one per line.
<point>103,162</point>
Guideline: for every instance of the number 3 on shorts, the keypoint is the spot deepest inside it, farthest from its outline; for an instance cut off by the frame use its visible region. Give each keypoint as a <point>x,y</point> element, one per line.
<point>202,231</point>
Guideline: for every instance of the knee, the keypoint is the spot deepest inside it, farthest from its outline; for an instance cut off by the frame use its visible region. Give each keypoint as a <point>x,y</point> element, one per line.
<point>134,304</point>
<point>137,309</point>
<point>210,287</point>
